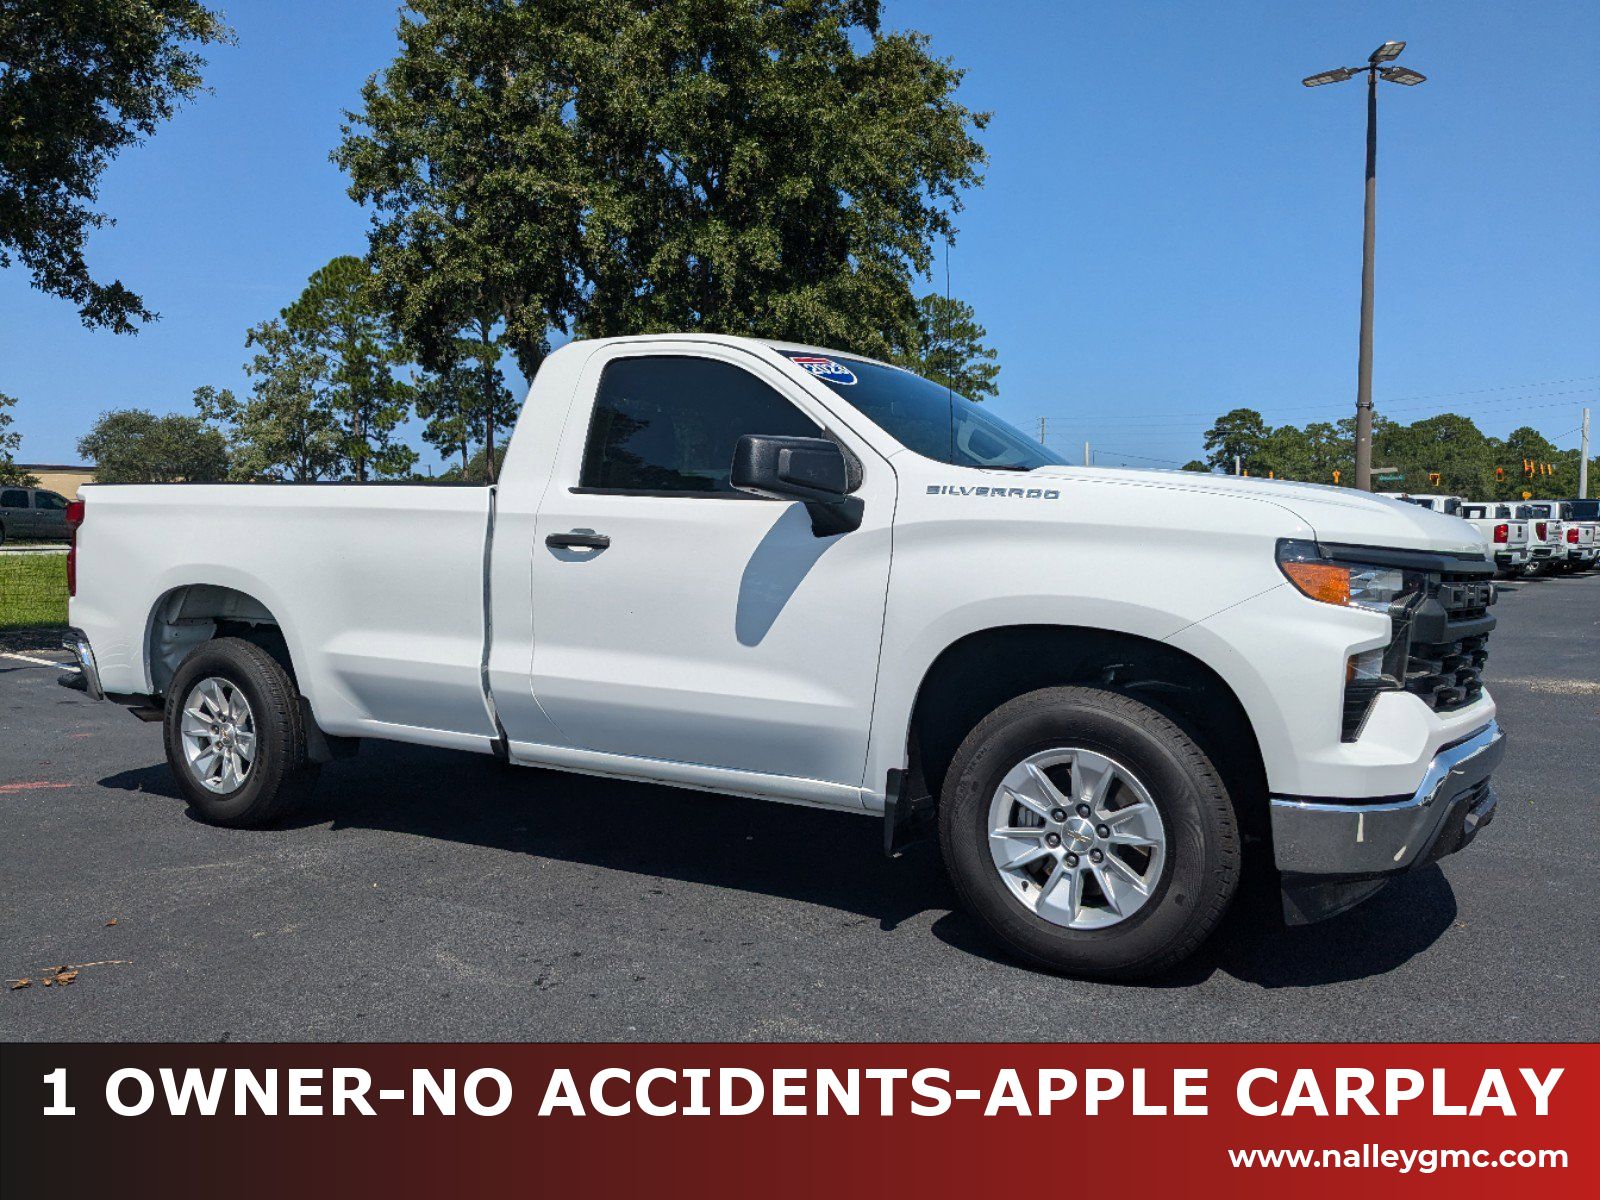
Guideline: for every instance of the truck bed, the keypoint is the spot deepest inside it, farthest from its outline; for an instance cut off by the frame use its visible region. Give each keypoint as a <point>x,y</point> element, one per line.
<point>378,590</point>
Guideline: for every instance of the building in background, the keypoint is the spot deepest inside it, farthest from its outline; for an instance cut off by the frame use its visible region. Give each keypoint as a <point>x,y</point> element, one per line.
<point>65,478</point>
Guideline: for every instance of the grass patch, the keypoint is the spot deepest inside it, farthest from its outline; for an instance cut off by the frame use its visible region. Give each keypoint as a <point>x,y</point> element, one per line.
<point>33,590</point>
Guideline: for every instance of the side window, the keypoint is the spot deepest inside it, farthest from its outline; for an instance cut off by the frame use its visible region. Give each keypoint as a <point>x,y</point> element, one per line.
<point>670,423</point>
<point>1475,512</point>
<point>13,498</point>
<point>49,501</point>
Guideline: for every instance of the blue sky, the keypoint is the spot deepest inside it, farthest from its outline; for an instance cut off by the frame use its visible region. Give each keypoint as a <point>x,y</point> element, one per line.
<point>1170,226</point>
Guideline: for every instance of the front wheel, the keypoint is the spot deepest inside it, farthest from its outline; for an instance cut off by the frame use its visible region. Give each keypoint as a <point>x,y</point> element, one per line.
<point>235,736</point>
<point>1089,833</point>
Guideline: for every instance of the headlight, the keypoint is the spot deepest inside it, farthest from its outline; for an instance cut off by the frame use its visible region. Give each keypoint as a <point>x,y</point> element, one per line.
<point>1350,584</point>
<point>1393,592</point>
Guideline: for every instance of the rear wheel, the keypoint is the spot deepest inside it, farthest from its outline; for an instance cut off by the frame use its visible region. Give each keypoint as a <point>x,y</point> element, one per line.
<point>235,737</point>
<point>1089,833</point>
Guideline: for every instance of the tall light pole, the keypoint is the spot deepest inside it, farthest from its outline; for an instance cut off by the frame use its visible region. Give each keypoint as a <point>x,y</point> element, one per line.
<point>1375,67</point>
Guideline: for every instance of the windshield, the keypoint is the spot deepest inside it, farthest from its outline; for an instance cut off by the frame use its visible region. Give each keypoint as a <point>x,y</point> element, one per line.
<point>926,417</point>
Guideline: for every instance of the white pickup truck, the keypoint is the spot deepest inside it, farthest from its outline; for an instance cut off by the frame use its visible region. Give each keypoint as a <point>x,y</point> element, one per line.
<point>1509,542</point>
<point>1575,541</point>
<point>788,573</point>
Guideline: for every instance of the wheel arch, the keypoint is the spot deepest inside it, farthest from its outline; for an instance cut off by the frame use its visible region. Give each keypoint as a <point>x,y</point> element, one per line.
<point>984,669</point>
<point>192,614</point>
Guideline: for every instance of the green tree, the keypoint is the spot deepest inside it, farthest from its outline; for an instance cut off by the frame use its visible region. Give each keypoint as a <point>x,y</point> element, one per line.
<point>284,431</point>
<point>338,318</point>
<point>1238,433</point>
<point>130,445</point>
<point>479,469</point>
<point>1527,445</point>
<point>1448,445</point>
<point>79,81</point>
<point>1311,454</point>
<point>950,350</point>
<point>638,165</point>
<point>467,400</point>
<point>1194,464</point>
<point>10,442</point>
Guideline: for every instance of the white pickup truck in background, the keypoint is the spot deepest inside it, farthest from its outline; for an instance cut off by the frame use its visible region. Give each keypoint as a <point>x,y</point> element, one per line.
<point>1547,536</point>
<point>799,575</point>
<point>1575,541</point>
<point>1506,540</point>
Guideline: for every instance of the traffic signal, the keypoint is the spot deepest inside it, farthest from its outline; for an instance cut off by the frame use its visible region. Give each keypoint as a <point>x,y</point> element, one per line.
<point>1433,478</point>
<point>1499,474</point>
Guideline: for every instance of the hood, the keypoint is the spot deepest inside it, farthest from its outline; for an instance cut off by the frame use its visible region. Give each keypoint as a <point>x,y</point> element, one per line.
<point>1337,514</point>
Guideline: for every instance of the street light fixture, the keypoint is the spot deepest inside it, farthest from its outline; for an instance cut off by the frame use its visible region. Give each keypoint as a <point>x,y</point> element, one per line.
<point>1403,75</point>
<point>1406,77</point>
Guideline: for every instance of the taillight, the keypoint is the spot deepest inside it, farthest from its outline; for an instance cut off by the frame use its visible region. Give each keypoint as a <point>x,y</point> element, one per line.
<point>1502,533</point>
<point>1541,531</point>
<point>1572,535</point>
<point>74,519</point>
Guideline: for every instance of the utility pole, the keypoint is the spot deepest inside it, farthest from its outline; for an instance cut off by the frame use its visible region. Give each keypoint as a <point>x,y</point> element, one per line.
<point>1087,461</point>
<point>1583,458</point>
<point>1369,237</point>
<point>1375,67</point>
<point>1042,421</point>
<point>1236,465</point>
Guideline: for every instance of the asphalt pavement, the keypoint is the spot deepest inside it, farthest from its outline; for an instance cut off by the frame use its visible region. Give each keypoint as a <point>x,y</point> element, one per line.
<point>441,896</point>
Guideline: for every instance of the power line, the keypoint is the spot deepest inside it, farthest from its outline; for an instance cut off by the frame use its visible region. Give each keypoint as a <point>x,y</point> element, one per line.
<point>1512,401</point>
<point>1394,400</point>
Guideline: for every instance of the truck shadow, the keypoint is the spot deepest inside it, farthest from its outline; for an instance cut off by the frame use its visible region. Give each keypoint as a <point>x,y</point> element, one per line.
<point>812,856</point>
<point>809,855</point>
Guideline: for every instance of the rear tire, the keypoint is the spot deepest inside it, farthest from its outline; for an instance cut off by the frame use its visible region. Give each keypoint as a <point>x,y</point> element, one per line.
<point>235,686</point>
<point>1062,911</point>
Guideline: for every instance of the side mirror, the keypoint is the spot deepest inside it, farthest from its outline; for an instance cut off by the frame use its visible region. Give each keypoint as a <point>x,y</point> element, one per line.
<point>811,470</point>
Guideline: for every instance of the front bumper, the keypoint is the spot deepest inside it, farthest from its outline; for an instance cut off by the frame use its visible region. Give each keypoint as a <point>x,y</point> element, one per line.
<point>1333,854</point>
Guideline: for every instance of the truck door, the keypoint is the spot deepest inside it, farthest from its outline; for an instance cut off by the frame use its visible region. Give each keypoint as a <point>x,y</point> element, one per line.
<point>678,620</point>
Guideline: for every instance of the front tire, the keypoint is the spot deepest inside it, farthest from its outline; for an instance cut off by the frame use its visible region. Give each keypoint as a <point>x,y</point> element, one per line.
<point>1089,834</point>
<point>235,737</point>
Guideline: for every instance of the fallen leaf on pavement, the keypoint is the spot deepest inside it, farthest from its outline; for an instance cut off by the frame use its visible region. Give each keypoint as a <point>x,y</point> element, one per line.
<point>111,922</point>
<point>19,983</point>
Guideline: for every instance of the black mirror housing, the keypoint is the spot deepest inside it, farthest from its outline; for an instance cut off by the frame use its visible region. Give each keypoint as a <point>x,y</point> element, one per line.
<point>814,471</point>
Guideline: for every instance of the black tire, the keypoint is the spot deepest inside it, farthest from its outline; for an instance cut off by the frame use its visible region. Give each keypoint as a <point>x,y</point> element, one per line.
<point>280,775</point>
<point>1202,865</point>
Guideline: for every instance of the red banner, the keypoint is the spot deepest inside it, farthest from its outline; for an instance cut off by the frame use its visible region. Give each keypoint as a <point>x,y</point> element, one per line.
<point>799,1120</point>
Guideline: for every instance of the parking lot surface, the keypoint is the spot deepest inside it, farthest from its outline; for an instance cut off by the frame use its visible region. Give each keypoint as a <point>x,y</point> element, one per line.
<point>432,895</point>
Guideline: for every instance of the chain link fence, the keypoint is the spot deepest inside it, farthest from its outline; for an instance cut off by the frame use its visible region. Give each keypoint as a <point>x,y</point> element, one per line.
<point>33,587</point>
